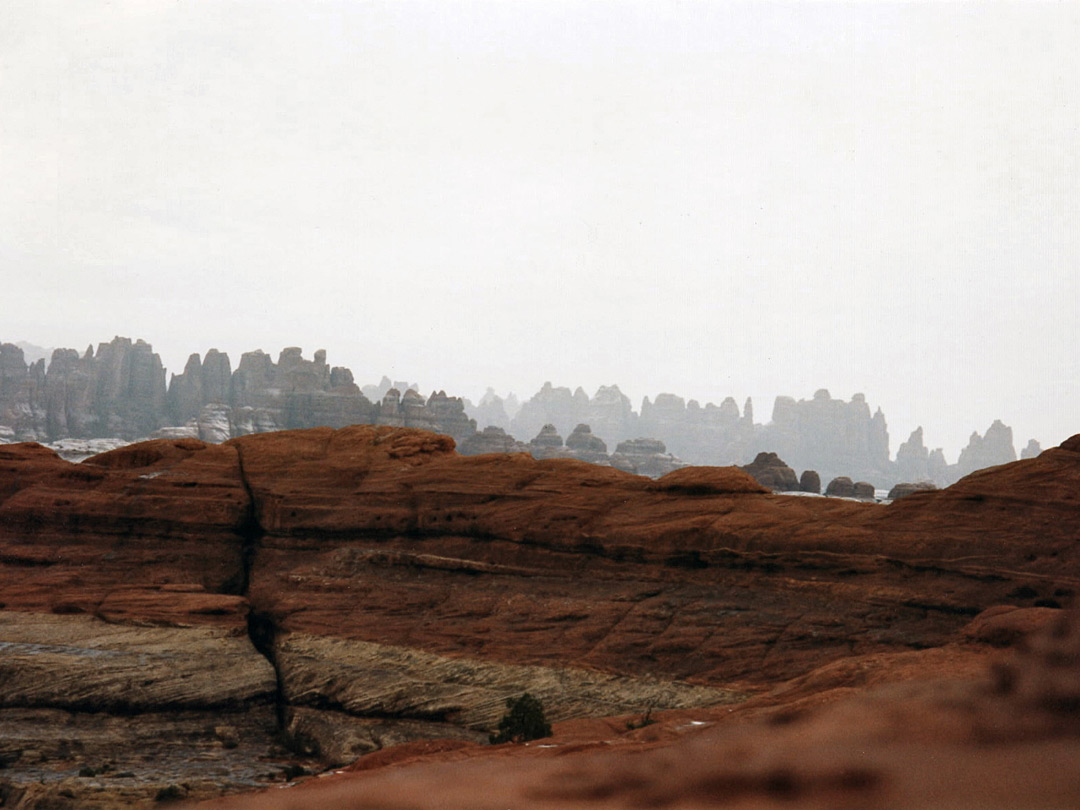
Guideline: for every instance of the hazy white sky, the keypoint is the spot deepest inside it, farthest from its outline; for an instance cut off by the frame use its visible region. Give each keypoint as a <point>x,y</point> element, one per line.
<point>711,199</point>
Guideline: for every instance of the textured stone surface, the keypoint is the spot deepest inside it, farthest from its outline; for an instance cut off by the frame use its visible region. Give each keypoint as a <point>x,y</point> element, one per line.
<point>887,731</point>
<point>645,457</point>
<point>84,663</point>
<point>903,490</point>
<point>810,482</point>
<point>377,680</point>
<point>119,392</point>
<point>863,490</point>
<point>841,487</point>
<point>490,440</point>
<point>392,581</point>
<point>996,447</point>
<point>769,470</point>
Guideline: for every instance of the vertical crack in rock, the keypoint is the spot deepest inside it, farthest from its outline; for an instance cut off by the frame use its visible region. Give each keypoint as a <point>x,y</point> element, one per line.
<point>250,530</point>
<point>260,625</point>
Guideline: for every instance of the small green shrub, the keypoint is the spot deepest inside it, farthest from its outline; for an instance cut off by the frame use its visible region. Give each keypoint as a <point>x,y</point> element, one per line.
<point>524,720</point>
<point>169,794</point>
<point>294,771</point>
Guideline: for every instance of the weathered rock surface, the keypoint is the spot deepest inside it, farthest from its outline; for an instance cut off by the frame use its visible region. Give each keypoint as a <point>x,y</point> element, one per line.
<point>1031,449</point>
<point>810,482</point>
<point>863,490</point>
<point>398,589</point>
<point>926,729</point>
<point>491,440</point>
<point>119,392</point>
<point>903,490</point>
<point>829,435</point>
<point>996,447</point>
<point>85,663</point>
<point>770,471</point>
<point>913,458</point>
<point>645,457</point>
<point>841,487</point>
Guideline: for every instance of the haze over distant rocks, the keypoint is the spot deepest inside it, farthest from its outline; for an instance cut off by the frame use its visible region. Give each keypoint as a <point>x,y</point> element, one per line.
<point>119,391</point>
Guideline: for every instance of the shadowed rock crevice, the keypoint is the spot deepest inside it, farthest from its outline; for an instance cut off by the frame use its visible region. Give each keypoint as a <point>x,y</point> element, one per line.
<point>260,625</point>
<point>250,531</point>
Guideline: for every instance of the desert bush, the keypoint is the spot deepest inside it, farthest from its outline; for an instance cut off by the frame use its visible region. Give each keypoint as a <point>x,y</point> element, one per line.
<point>524,720</point>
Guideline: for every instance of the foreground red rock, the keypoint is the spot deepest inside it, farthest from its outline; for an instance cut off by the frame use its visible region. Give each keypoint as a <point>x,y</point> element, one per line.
<point>1006,737</point>
<point>402,592</point>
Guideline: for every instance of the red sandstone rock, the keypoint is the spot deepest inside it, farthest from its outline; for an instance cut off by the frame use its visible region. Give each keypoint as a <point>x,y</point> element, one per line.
<point>363,548</point>
<point>896,738</point>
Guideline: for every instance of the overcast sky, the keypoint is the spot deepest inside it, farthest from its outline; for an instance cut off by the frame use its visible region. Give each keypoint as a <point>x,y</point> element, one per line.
<point>710,199</point>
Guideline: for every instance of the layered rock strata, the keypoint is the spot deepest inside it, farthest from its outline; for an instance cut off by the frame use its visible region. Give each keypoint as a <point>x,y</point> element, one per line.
<point>348,588</point>
<point>119,392</point>
<point>769,470</point>
<point>953,727</point>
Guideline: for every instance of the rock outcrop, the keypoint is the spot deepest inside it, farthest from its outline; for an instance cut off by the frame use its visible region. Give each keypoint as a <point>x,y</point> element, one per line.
<point>587,447</point>
<point>713,434</point>
<point>863,490</point>
<point>370,585</point>
<point>996,447</point>
<point>947,727</point>
<point>841,487</point>
<point>769,470</point>
<point>648,457</point>
<point>829,435</point>
<point>119,393</point>
<point>645,457</point>
<point>547,444</point>
<point>810,482</point>
<point>491,440</point>
<point>903,490</point>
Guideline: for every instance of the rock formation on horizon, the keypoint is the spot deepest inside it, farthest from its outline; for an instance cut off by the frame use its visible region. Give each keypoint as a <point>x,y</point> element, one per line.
<point>771,471</point>
<point>119,392</point>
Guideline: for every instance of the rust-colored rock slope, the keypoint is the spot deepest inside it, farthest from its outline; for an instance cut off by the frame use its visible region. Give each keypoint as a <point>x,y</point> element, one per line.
<point>181,619</point>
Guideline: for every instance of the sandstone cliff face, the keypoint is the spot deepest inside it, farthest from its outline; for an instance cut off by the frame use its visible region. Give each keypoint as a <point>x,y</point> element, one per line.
<point>120,392</point>
<point>829,435</point>
<point>708,435</point>
<point>117,392</point>
<point>366,585</point>
<point>996,447</point>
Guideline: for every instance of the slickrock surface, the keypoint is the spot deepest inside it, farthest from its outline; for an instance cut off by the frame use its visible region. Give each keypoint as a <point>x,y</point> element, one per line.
<point>330,592</point>
<point>928,729</point>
